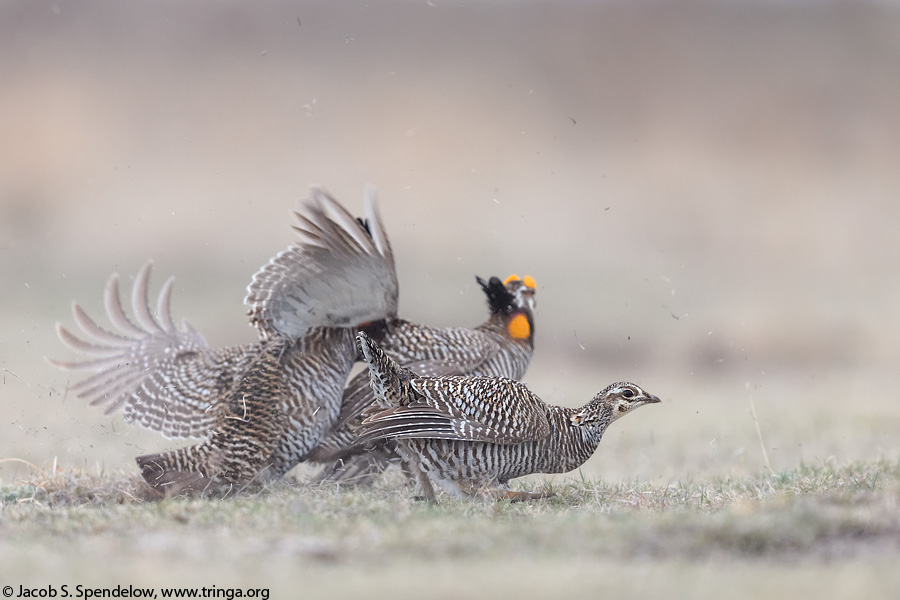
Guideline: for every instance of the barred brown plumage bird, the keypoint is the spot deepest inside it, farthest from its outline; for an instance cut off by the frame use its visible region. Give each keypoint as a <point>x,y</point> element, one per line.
<point>502,346</point>
<point>260,407</point>
<point>471,435</point>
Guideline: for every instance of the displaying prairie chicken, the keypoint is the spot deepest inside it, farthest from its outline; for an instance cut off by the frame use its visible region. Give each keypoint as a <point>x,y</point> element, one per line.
<point>471,435</point>
<point>259,407</point>
<point>502,346</point>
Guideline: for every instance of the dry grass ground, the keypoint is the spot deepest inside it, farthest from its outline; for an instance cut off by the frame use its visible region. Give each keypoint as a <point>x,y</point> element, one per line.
<point>591,536</point>
<point>705,191</point>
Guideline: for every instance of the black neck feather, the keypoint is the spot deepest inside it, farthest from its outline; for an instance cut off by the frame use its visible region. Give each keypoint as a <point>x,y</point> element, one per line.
<point>500,301</point>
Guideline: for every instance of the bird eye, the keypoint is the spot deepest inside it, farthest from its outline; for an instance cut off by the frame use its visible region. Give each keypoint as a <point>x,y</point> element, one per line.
<point>628,393</point>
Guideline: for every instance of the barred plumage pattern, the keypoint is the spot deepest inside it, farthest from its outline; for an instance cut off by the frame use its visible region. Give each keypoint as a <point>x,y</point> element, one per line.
<point>470,436</point>
<point>340,274</point>
<point>246,430</point>
<point>493,349</point>
<point>260,407</point>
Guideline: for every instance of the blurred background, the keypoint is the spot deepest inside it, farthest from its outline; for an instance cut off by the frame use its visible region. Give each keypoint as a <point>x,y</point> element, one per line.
<point>707,193</point>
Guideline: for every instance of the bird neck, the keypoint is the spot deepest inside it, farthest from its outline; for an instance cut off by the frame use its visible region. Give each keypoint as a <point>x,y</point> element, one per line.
<point>517,326</point>
<point>572,444</point>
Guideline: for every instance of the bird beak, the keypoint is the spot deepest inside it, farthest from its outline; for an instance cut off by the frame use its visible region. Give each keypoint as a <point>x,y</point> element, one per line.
<point>652,399</point>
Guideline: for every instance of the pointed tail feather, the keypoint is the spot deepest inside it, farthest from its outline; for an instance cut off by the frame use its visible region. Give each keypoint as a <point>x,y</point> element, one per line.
<point>390,382</point>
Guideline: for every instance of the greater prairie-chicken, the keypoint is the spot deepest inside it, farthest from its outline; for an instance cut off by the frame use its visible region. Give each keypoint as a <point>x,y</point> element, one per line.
<point>471,435</point>
<point>260,407</point>
<point>502,346</point>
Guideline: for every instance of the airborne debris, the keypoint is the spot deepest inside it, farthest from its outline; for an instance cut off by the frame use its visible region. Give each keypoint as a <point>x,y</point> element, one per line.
<point>577,341</point>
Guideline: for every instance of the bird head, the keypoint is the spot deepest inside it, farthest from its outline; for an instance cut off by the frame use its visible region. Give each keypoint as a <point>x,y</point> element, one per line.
<point>615,401</point>
<point>513,302</point>
<point>522,290</point>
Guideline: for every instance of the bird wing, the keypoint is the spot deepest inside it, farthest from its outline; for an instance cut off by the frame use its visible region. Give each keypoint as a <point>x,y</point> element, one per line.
<point>432,353</point>
<point>165,378</point>
<point>475,409</point>
<point>340,274</point>
<point>435,352</point>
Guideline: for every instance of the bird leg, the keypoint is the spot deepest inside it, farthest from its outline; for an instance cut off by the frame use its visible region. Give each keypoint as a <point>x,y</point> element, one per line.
<point>425,484</point>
